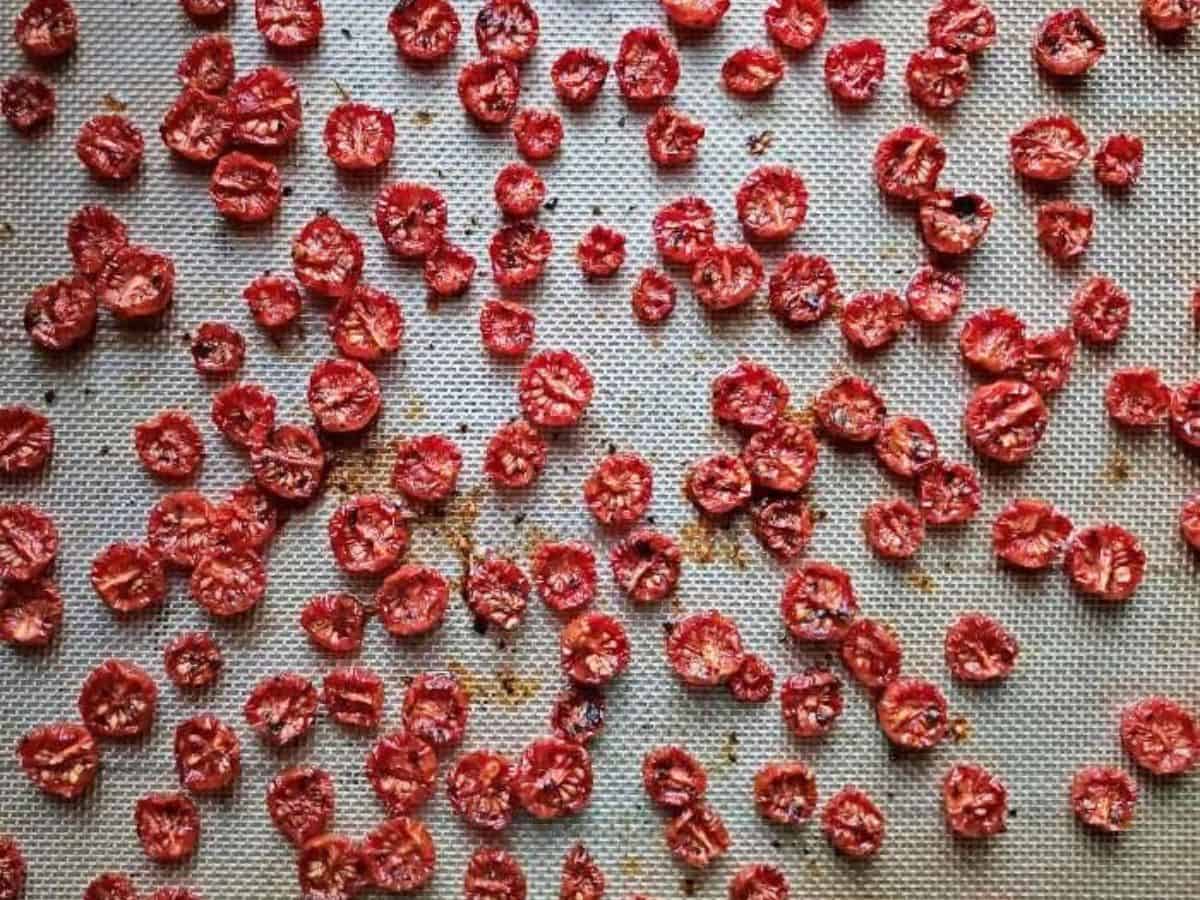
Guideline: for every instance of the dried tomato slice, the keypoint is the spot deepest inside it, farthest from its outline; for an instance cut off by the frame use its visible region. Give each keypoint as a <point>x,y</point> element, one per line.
<point>697,14</point>
<point>894,528</point>
<point>489,88</point>
<point>497,592</point>
<point>519,253</point>
<point>803,289</point>
<point>198,126</point>
<point>1137,398</point>
<point>772,203</point>
<point>506,28</point>
<point>266,108</point>
<point>937,78</point>
<point>94,235</point>
<point>493,874</point>
<point>759,881</point>
<point>61,759</point>
<point>169,445</point>
<point>46,29</point>
<point>424,30</point>
<point>1065,228</point>
<point>136,283</point>
<point>26,440</point>
<point>1050,148</point>
<point>647,66</point>
<point>578,715</point>
<point>786,792</point>
<point>110,886</point>
<point>217,349</point>
<point>872,653</point>
<point>904,445</point>
<point>426,468</point>
<point>993,340</point>
<point>753,682</point>
<point>593,649</point>
<point>129,577</point>
<point>850,410</point>
<point>327,258</point>
<point>553,778</point>
<point>979,649</point>
<point>202,12</point>
<point>752,71</point>
<point>168,827</point>
<point>1068,43</point>
<point>619,489</point>
<point>797,24</point>
<point>506,328</point>
<point>934,295</point>
<point>601,251</point>
<point>519,190</point>
<point>400,855</point>
<point>30,613</point>
<point>479,788</point>
<point>247,519</point>
<point>208,755</point>
<point>411,218</point>
<point>175,893</point>
<point>274,301</point>
<point>673,778</point>
<point>344,395</point>
<point>353,697</point>
<point>244,414</point>
<point>684,229</point>
<point>954,223</point>
<point>1119,158</point>
<point>818,603</point>
<point>908,162</point>
<point>1103,798</point>
<point>448,270</point>
<point>244,188</point>
<point>696,835</point>
<point>646,566</point>
<point>673,138</point>
<point>1189,521</point>
<point>653,297</point>
<point>854,70</point>
<point>1047,360</point>
<point>811,702</point>
<point>110,147</point>
<point>281,709</point>
<point>718,484</point>
<point>752,397</point>
<point>873,319</point>
<point>436,709</point>
<point>515,455</point>
<point>182,528</point>
<point>27,102</point>
<point>975,802</point>
<point>228,583</point>
<point>1171,15</point>
<point>962,26</point>
<point>334,622</point>
<point>582,879</point>
<point>331,867</point>
<point>1105,561</point>
<point>291,464</point>
<point>1100,311</point>
<point>1005,421</point>
<point>726,276</point>
<point>208,64</point>
<point>192,660</point>
<point>289,24</point>
<point>555,389</point>
<point>28,542</point>
<point>1029,533</point>
<point>705,649</point>
<point>853,823</point>
<point>368,535</point>
<point>782,525</point>
<point>359,137</point>
<point>948,492</point>
<point>579,75</point>
<point>1161,736</point>
<point>538,133</point>
<point>300,803</point>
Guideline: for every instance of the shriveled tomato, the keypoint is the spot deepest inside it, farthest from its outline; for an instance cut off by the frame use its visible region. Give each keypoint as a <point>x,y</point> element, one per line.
<point>229,583</point>
<point>948,492</point>
<point>601,251</point>
<point>726,276</point>
<point>168,827</point>
<point>759,881</point>
<point>110,147</point>
<point>247,519</point>
<point>411,218</point>
<point>954,223</point>
<point>426,468</point>
<point>1185,413</point>
<point>974,801</point>
<point>786,792</point>
<point>781,457</point>
<point>684,229</point>
<point>783,525</point>
<point>962,26</point>
<point>198,126</point>
<point>359,137</point>
<point>811,702</point>
<point>217,349</point>
<point>1171,16</point>
<point>1119,158</point>
<point>1047,360</point>
<point>424,30</point>
<point>704,649</point>
<point>344,395</point>
<point>266,108</point>
<point>753,682</point>
<point>30,612</point>
<point>1068,43</point>
<point>653,297</point>
<point>506,328</point>
<point>993,340</point>
<point>506,28</point>
<point>646,566</point>
<point>244,414</point>
<point>400,855</point>
<point>718,484</point>
<point>290,465</point>
<point>908,162</point>
<point>1189,521</point>
<point>752,397</point>
<point>1029,533</point>
<point>1161,736</point>
<point>281,709</point>
<point>934,295</point>
<point>244,188</point>
<point>129,577</point>
<point>479,788</point>
<point>593,649</point>
<point>110,886</point>
<point>1100,311</point>
<point>854,70</point>
<point>818,603</point>
<point>493,874</point>
<point>203,12</point>
<point>696,835</point>
<point>61,759</point>
<point>1137,398</point>
<point>538,133</point>
<point>582,878</point>
<point>1005,421</point>
<point>673,138</point>
<point>193,660</point>
<point>353,697</point>
<point>697,14</point>
<point>519,253</point>
<point>772,203</point>
<point>853,823</point>
<point>436,708</point>
<point>850,410</point>
<point>274,301</point>
<point>289,24</point>
<point>137,283</point>
<point>647,66</point>
<point>1065,228</point>
<point>555,389</point>
<point>169,445</point>
<point>26,440</point>
<point>368,535</point>
<point>300,803</point>
<point>979,649</point>
<point>94,235</point>
<point>1105,561</point>
<point>1050,148</point>
<point>169,892</point>
<point>619,489</point>
<point>797,24</point>
<point>873,319</point>
<point>872,653</point>
<point>578,714</point>
<point>489,89</point>
<point>182,527</point>
<point>327,258</point>
<point>894,528</point>
<point>334,622</point>
<point>208,64</point>
<point>1104,798</point>
<point>904,444</point>
<point>519,190</point>
<point>515,455</point>
<point>28,542</point>
<point>46,29</point>
<point>208,755</point>
<point>27,102</point>
<point>331,866</point>
<point>497,592</point>
<point>937,78</point>
<point>752,71</point>
<point>448,270</point>
<point>553,778</point>
<point>803,289</point>
<point>579,75</point>
<point>673,778</point>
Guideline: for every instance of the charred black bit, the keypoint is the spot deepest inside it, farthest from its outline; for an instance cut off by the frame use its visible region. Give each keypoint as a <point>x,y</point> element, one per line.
<point>650,520</point>
<point>50,396</point>
<point>422,117</point>
<point>185,338</point>
<point>322,211</point>
<point>612,448</point>
<point>480,625</point>
<point>105,450</point>
<point>6,231</point>
<point>758,144</point>
<point>688,886</point>
<point>597,211</point>
<point>463,427</point>
<point>347,35</point>
<point>621,122</point>
<point>518,519</point>
<point>668,627</point>
<point>288,190</point>
<point>551,204</point>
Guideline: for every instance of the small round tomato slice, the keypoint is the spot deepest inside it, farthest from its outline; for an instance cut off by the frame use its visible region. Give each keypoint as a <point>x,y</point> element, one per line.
<point>182,527</point>
<point>908,162</point>
<point>653,297</point>
<point>479,788</point>
<point>646,566</point>
<point>353,697</point>
<point>208,755</point>
<point>772,203</point>
<point>334,622</point>
<point>979,649</point>
<point>1064,228</point>
<point>582,878</point>
<point>300,803</point>
<point>579,75</point>
<point>331,866</point>
<point>749,395</point>
<point>202,12</point>
<point>601,251</point>
<point>506,28</point>
<point>684,229</point>
<point>60,759</point>
<point>619,489</point>
<point>993,341</point>
<point>1005,421</point>
<point>28,542</point>
<point>647,66</point>
<point>515,455</point>
<point>129,577</point>
<point>718,484</point>
<point>110,147</point>
<point>904,444</point>
<point>781,457</point>
<point>953,223</point>
<point>344,395</point>
<point>519,253</point>
<point>553,778</point>
<point>538,133</point>
<point>368,325</point>
<point>1068,43</point>
<point>752,71</point>
<point>244,414</point>
<point>411,218</point>
<point>818,603</point>
<point>555,389</point>
<point>327,258</point>
<point>274,301</point>
<point>289,24</point>
<point>1137,398</point>
<point>854,70</point>
<point>726,276</point>
<point>136,283</point>
<point>975,802</point>
<point>803,289</point>
<point>696,835</point>
<point>937,78</point>
<point>811,702</point>
<point>1161,736</point>
<point>424,30</point>
<point>519,190</point>
<point>759,881</point>
<point>290,465</point>
<point>673,778</point>
<point>912,713</point>
<point>281,709</point>
<point>962,26</point>
<point>593,649</point>
<point>169,445</point>
<point>198,126</point>
<point>110,886</point>
<point>497,592</point>
<point>1048,358</point>
<point>1171,16</point>
<point>26,440</point>
<point>168,827</point>
<point>359,137</point>
<point>753,682</point>
<point>1189,521</point>
<point>872,653</point>
<point>46,29</point>
<point>217,349</point>
<point>436,708</point>
<point>30,613</point>
<point>94,235</point>
<point>673,138</point>
<point>244,188</point>
<point>785,792</point>
<point>850,410</point>
<point>873,319</point>
<point>1105,561</point>
<point>448,270</point>
<point>426,468</point>
<point>1104,798</point>
<point>1029,534</point>
<point>489,89</point>
<point>948,492</point>
<point>27,102</point>
<point>705,649</point>
<point>894,528</point>
<point>934,295</point>
<point>1050,148</point>
<point>208,64</point>
<point>1119,158</point>
<point>192,660</point>
<point>228,583</point>
<point>578,715</point>
<point>1100,311</point>
<point>783,525</point>
<point>368,535</point>
<point>493,874</point>
<point>698,14</point>
<point>506,328</point>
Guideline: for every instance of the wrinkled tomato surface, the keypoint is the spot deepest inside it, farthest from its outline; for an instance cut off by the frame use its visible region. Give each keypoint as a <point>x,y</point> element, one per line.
<point>30,613</point>
<point>974,801</point>
<point>46,29</point>
<point>719,484</point>
<point>110,147</point>
<point>274,301</point>
<point>783,525</point>
<point>749,395</point>
<point>646,566</point>
<point>169,445</point>
<point>182,528</point>
<point>424,30</point>
<point>653,297</point>
<point>479,788</point>
<point>26,440</point>
<point>489,89</point>
<point>1137,398</point>
<point>402,769</point>
<point>579,75</point>
<point>538,133</point>
<point>497,592</point>
<point>493,874</point>
<point>1048,149</point>
<point>368,535</point>
<point>330,865</point>
<point>136,283</point>
<point>289,24</point>
<point>266,108</point>
<point>61,759</point>
<point>300,803</point>
<point>934,295</point>
<point>208,754</point>
<point>1065,228</point>
<point>619,489</point>
<point>436,708</point>
<point>1105,561</point>
<point>27,102</point>
<point>684,229</point>
<point>506,328</point>
<point>507,28</point>
<point>400,856</point>
<point>726,276</point>
<point>426,468</point>
<point>1161,736</point>
<point>783,456</point>
<point>894,528</point>
<point>327,258</point>
<point>802,289</point>
<point>601,251</point>
<point>1100,311</point>
<point>1171,15</point>
<point>229,583</point>
<point>850,410</point>
<point>1005,420</point>
<point>872,653</point>
<point>359,137</point>
<point>281,709</point>
<point>198,126</point>
<point>244,188</point>
<point>772,203</point>
<point>519,253</point>
<point>673,138</point>
<point>593,649</point>
<point>853,823</point>
<point>752,71</point>
<point>353,697</point>
<point>908,162</point>
<point>673,778</point>
<point>818,603</point>
<point>948,492</point>
<point>555,389</point>
<point>129,577</point>
<point>28,542</point>
<point>1119,158</point>
<point>811,702</point>
<point>208,64</point>
<point>1068,43</point>
<point>117,700</point>
<point>954,223</point>
<point>705,649</point>
<point>411,218</point>
<point>334,622</point>
<point>1029,533</point>
<point>696,835</point>
<point>962,26</point>
<point>873,319</point>
<point>192,660</point>
<point>519,190</point>
<point>937,78</point>
<point>515,455</point>
<point>168,827</point>
<point>904,444</point>
<point>759,881</point>
<point>582,878</point>
<point>553,778</point>
<point>578,715</point>
<point>753,682</point>
<point>344,395</point>
<point>290,465</point>
<point>94,235</point>
<point>217,349</point>
<point>979,649</point>
<point>1104,798</point>
<point>448,270</point>
<point>796,24</point>
<point>854,70</point>
<point>111,886</point>
<point>786,792</point>
<point>647,66</point>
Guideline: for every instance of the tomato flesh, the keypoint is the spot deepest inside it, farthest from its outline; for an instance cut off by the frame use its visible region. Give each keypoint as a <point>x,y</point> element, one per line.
<point>786,793</point>
<point>1105,561</point>
<point>975,802</point>
<point>853,823</point>
<point>168,827</point>
<point>1161,736</point>
<point>1104,798</point>
<point>705,649</point>
<point>300,803</point>
<point>811,702</point>
<point>854,70</point>
<point>479,788</point>
<point>979,649</point>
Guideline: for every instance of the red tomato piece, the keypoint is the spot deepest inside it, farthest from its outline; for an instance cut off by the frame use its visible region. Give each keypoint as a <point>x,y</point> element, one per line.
<point>300,803</point>
<point>979,649</point>
<point>673,778</point>
<point>28,542</point>
<point>538,133</point>
<point>266,108</point>
<point>579,75</point>
<point>1005,421</point>
<point>974,801</point>
<point>912,713</point>
<point>497,592</point>
<point>507,28</point>
<point>581,877</point>
<point>783,525</point>
<point>274,301</point>
<point>26,440</point>
<point>1171,15</point>
<point>202,12</point>
<point>217,349</point>
<point>94,235</point>
<point>1065,228</point>
<point>334,622</point>
<point>182,527</point>
<point>424,30</point>
<point>578,715</point>
<point>506,328</point>
<point>750,396</point>
<point>962,26</point>
<point>704,649</point>
<point>646,566</point>
<point>354,697</point>
<point>759,881</point>
<point>400,855</point>
<point>289,24</point>
<point>619,489</point>
<point>448,270</point>
<point>436,709</point>
<point>803,289</point>
<point>553,778</point>
<point>752,71</point>
<point>110,147</point>
<point>169,445</point>
<point>696,835</point>
<point>948,492</point>
<point>1050,148</point>
<point>411,218</point>
<point>1100,311</point>
<point>1103,798</point>
<point>136,283</point>
<point>519,253</point>
<point>601,251</point>
<point>753,682</point>
<point>850,410</point>
<point>27,102</point>
<point>904,445</point>
<point>175,893</point>
<point>426,468</point>
<point>937,78</point>
<point>30,613</point>
<point>797,24</point>
<point>593,649</point>
<point>772,203</point>
<point>718,484</point>
<point>368,325</point>
<point>811,702</point>
<point>489,88</point>
<point>673,139</point>
<point>61,315</point>
<point>684,230</point>
<point>1105,561</point>
<point>786,792</point>
<point>1161,736</point>
<point>368,535</point>
<point>192,660</point>
<point>647,66</point>
<point>479,788</point>
<point>872,653</point>
<point>1189,521</point>
<point>726,276</point>
<point>515,455</point>
<point>168,827</point>
<point>873,319</point>
<point>129,577</point>
<point>110,886</point>
<point>493,874</point>
<point>208,755</point>
<point>1048,359</point>
<point>1119,158</point>
<point>934,295</point>
<point>818,603</point>
<point>359,137</point>
<point>344,395</point>
<point>993,341</point>
<point>228,583</point>
<point>331,866</point>
<point>653,297</point>
<point>854,70</point>
<point>60,759</point>
<point>246,519</point>
<point>697,14</point>
<point>894,528</point>
<point>46,29</point>
<point>519,190</point>
<point>290,465</point>
<point>908,162</point>
<point>1068,43</point>
<point>1029,533</point>
<point>327,258</point>
<point>1137,398</point>
<point>244,188</point>
<point>208,64</point>
<point>244,414</point>
<point>281,709</point>
<point>954,223</point>
<point>198,126</point>
<point>555,389</point>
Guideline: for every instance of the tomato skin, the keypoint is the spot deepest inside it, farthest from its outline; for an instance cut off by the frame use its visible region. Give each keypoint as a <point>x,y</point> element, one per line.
<point>266,108</point>
<point>894,528</point>
<point>582,879</point>
<point>1170,16</point>
<point>1065,228</point>
<point>684,229</point>
<point>244,188</point>
<point>436,709</point>
<point>1048,359</point>
<point>538,133</point>
<point>673,138</point>
<point>411,218</point>
<point>818,603</point>
<point>718,485</point>
<point>555,389</point>
<point>796,24</point>
<point>948,492</point>
<point>300,803</point>
<point>1049,148</point>
<point>330,866</point>
<point>872,654</point>
<point>553,778</point>
<point>593,649</point>
<point>400,855</point>
<point>752,71</point>
<point>94,235</point>
<point>578,715</point>
<point>1137,398</point>
<point>962,26</point>
<point>507,28</point>
<point>198,126</point>
<point>811,702</point>
<point>1005,421</point>
<point>646,566</point>
<point>426,468</point>
<point>772,203</point>
<point>905,443</point>
<point>783,525</point>
<point>136,284</point>
<point>753,682</point>
<point>1068,43</point>
<point>507,329</point>
<point>168,827</point>
<point>46,29</point>
<point>110,147</point>
<point>647,66</point>
<point>979,649</point>
<point>1161,736</point>
<point>1104,798</point>
<point>696,835</point>
<point>601,251</point>
<point>26,440</point>
<point>30,613</point>
<point>334,622</point>
<point>247,519</point>
<point>27,102</point>
<point>169,445</point>
<point>993,341</point>
<point>653,297</point>
<point>934,295</point>
<point>908,162</point>
<point>697,14</point>
<point>854,70</point>
<point>244,414</point>
<point>327,258</point>
<point>785,793</point>
<point>497,592</point>
<point>424,30</point>
<point>208,64</point>
<point>229,583</point>
<point>344,396</point>
<point>192,660</point>
<point>110,886</point>
<point>479,788</point>
<point>28,542</point>
<point>579,75</point>
<point>1029,534</point>
<point>726,276</point>
<point>954,223</point>
<point>673,778</point>
<point>358,137</point>
<point>493,874</point>
<point>217,349</point>
<point>937,78</point>
<point>448,270</point>
<point>873,319</point>
<point>289,24</point>
<point>749,396</point>
<point>759,881</point>
<point>290,465</point>
<point>353,697</point>
<point>975,802</point>
<point>489,89</point>
<point>705,649</point>
<point>61,759</point>
<point>208,755</point>
<point>1120,158</point>
<point>281,709</point>
<point>1189,521</point>
<point>850,410</point>
<point>519,190</point>
<point>853,823</point>
<point>129,577</point>
<point>619,489</point>
<point>203,12</point>
<point>1105,561</point>
<point>519,253</point>
<point>515,456</point>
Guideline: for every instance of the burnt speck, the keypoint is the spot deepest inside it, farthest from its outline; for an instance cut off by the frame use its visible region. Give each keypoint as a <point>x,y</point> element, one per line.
<point>621,122</point>
<point>463,427</point>
<point>597,211</point>
<point>776,844</point>
<point>688,886</point>
<point>612,448</point>
<point>551,204</point>
<point>6,231</point>
<point>668,627</point>
<point>422,117</point>
<point>760,143</point>
<point>347,35</point>
<point>104,450</point>
<point>518,519</point>
<point>288,190</point>
<point>480,626</point>
<point>650,520</point>
<point>50,396</point>
<point>322,211</point>
<point>185,338</point>
<point>1014,812</point>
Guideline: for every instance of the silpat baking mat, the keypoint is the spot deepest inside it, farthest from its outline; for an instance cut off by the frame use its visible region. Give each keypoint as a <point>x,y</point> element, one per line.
<point>1080,661</point>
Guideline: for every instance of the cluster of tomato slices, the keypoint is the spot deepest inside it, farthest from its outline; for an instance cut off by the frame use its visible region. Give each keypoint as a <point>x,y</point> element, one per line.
<point>219,117</point>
